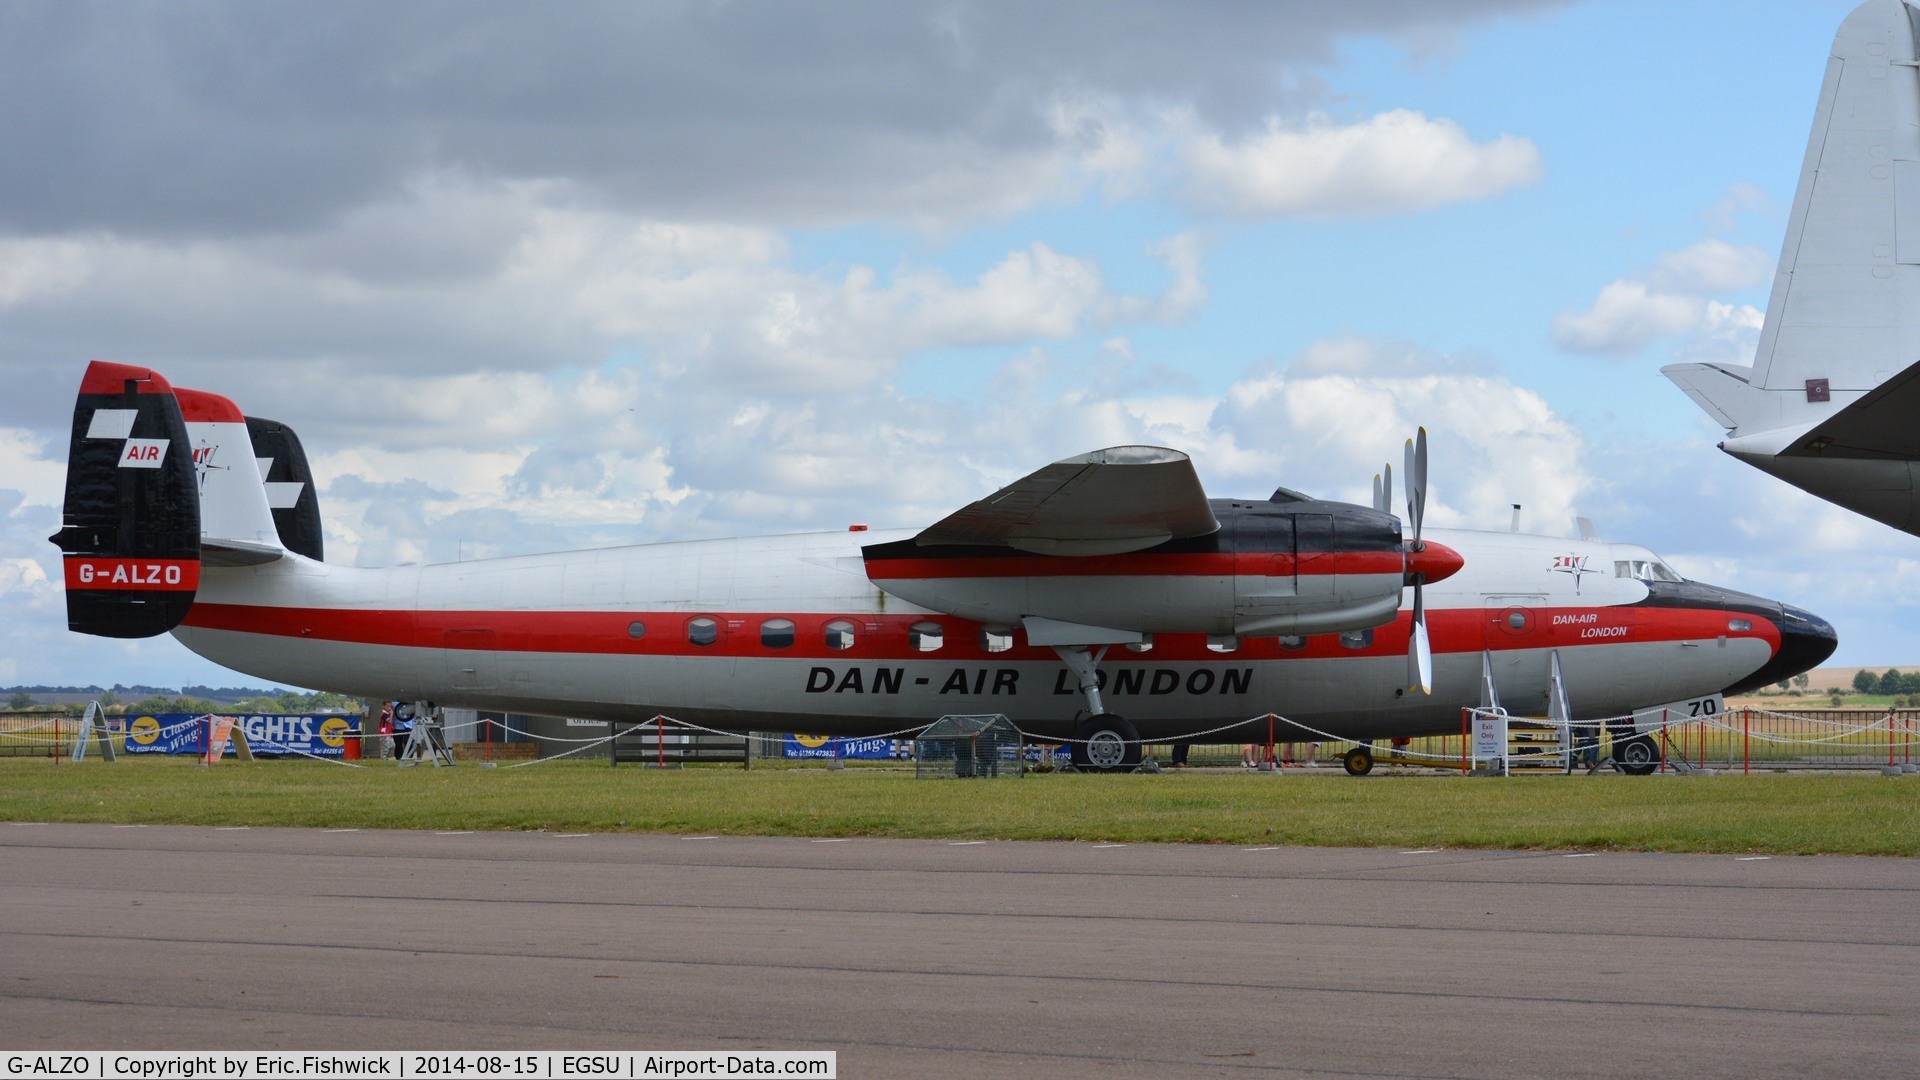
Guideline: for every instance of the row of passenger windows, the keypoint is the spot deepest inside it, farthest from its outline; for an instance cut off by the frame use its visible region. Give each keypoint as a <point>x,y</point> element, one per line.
<point>929,636</point>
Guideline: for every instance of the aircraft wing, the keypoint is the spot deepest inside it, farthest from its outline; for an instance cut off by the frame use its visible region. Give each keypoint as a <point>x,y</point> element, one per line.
<point>1108,502</point>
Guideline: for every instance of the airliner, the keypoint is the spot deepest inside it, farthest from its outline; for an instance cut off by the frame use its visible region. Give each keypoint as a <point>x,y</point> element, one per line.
<point>1102,600</point>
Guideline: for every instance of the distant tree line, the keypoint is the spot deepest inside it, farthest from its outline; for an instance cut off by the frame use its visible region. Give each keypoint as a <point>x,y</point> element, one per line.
<point>196,699</point>
<point>1892,681</point>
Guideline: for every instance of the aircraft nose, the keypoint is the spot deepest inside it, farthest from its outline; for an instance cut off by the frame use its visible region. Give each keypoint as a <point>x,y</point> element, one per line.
<point>1806,639</point>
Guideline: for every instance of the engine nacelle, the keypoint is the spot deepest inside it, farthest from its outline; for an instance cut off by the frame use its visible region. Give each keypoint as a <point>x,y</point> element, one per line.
<point>1282,567</point>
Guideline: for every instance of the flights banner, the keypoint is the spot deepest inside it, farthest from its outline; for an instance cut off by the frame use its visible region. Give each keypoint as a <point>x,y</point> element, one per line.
<point>315,735</point>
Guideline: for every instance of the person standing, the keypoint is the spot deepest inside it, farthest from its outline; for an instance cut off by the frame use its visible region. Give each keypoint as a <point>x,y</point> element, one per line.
<point>402,729</point>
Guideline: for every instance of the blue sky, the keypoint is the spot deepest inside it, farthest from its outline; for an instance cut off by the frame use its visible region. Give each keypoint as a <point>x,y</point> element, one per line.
<point>646,273</point>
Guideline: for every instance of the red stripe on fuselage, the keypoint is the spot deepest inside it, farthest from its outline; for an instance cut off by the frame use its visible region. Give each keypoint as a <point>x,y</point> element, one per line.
<point>1177,564</point>
<point>886,637</point>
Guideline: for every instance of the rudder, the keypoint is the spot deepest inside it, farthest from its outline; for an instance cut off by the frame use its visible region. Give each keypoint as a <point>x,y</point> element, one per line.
<point>130,528</point>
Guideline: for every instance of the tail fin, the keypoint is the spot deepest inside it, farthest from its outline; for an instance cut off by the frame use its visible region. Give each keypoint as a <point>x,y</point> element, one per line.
<point>1844,314</point>
<point>283,466</point>
<point>131,529</point>
<point>236,523</point>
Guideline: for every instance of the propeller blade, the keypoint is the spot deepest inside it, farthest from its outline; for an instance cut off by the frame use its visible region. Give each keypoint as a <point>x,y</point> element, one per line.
<point>1377,502</point>
<point>1419,648</point>
<point>1417,485</point>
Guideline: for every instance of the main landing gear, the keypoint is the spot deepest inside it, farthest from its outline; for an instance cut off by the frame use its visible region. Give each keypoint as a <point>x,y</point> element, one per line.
<point>1104,741</point>
<point>1637,756</point>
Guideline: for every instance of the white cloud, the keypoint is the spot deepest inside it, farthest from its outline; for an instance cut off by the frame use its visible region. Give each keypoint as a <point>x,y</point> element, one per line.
<point>1676,297</point>
<point>1625,318</point>
<point>1711,266</point>
<point>1393,162</point>
<point>32,268</point>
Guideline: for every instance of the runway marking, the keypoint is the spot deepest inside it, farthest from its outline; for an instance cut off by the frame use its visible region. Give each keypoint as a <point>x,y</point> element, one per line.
<point>835,840</point>
<point>700,838</point>
<point>129,826</point>
<point>1423,851</point>
<point>229,828</point>
<point>1097,847</point>
<point>1581,855</point>
<point>469,832</point>
<point>1752,858</point>
<point>965,843</point>
<point>1259,849</point>
<point>342,830</point>
<point>570,835</point>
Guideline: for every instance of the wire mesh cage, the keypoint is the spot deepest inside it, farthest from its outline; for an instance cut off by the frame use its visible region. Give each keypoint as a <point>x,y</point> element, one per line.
<point>963,747</point>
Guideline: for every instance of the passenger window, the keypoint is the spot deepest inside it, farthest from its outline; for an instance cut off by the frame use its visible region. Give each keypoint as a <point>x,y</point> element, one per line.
<point>1356,639</point>
<point>636,629</point>
<point>1516,620</point>
<point>839,634</point>
<point>925,636</point>
<point>703,631</point>
<point>1222,642</point>
<point>776,633</point>
<point>995,640</point>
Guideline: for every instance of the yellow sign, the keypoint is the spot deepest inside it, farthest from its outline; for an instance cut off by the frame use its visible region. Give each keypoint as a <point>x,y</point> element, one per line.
<point>144,730</point>
<point>333,731</point>
<point>812,742</point>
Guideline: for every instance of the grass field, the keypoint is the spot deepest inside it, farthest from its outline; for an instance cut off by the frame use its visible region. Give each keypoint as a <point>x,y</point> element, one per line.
<point>1859,814</point>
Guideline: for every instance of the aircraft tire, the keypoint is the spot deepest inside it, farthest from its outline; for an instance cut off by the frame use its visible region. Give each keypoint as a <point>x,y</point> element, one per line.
<point>1106,743</point>
<point>1359,761</point>
<point>1637,756</point>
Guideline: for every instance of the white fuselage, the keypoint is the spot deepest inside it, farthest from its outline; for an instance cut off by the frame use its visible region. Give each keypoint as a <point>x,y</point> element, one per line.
<point>681,629</point>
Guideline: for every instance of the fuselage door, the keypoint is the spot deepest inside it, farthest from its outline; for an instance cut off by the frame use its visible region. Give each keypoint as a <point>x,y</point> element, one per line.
<point>470,656</point>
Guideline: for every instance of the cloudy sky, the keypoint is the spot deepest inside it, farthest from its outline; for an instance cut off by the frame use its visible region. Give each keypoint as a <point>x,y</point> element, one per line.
<point>528,278</point>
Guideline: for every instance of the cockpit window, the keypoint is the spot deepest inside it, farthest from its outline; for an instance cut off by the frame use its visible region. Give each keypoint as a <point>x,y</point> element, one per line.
<point>1647,570</point>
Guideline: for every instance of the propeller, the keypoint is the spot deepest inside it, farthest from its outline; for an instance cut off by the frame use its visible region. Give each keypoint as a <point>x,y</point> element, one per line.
<point>1419,646</point>
<point>1383,489</point>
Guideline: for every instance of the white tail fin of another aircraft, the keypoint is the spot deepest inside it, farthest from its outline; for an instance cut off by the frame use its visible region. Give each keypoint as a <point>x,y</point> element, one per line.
<point>1829,402</point>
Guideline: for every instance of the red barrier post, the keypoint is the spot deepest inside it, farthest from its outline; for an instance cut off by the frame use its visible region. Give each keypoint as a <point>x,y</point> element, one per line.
<point>1890,762</point>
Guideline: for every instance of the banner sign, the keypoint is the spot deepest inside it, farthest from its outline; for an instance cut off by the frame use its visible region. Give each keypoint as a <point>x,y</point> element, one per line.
<point>186,733</point>
<point>825,746</point>
<point>822,746</point>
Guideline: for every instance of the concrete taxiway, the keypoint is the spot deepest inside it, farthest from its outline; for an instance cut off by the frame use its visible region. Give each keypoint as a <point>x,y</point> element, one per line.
<point>928,957</point>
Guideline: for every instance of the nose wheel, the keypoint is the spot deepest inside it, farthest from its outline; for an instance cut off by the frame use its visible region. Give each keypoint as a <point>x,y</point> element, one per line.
<point>1106,743</point>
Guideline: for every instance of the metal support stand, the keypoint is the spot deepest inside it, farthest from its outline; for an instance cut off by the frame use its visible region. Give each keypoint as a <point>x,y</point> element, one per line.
<point>94,723</point>
<point>429,736</point>
<point>1558,713</point>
